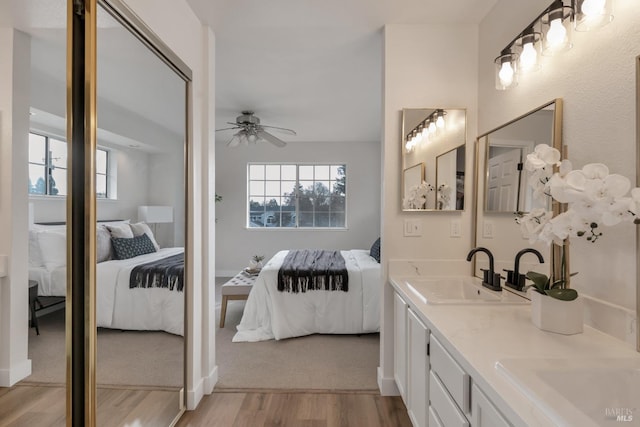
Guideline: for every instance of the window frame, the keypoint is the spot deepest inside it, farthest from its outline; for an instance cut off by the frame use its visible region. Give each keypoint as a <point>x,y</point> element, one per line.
<point>296,211</point>
<point>48,162</point>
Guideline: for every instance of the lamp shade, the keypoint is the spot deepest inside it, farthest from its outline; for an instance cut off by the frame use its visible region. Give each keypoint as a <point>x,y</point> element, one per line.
<point>155,214</point>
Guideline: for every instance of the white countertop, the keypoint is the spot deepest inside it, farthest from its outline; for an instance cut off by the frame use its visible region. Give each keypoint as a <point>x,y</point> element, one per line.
<point>479,336</point>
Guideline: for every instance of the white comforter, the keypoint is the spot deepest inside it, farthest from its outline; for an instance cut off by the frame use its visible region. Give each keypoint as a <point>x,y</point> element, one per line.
<point>270,314</point>
<point>149,309</point>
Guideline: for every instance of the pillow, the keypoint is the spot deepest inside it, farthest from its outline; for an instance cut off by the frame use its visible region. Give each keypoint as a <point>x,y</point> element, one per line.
<point>35,256</point>
<point>142,228</point>
<point>122,231</point>
<point>375,250</point>
<point>53,248</point>
<point>125,248</point>
<point>103,244</point>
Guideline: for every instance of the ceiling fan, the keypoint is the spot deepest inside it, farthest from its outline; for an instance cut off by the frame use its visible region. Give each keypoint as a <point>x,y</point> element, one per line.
<point>251,131</point>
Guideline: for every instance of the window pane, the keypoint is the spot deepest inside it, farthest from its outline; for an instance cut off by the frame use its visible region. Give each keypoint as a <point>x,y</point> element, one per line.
<point>288,219</point>
<point>322,187</point>
<point>256,212</point>
<point>58,150</point>
<point>273,203</point>
<point>256,188</point>
<point>256,171</point>
<point>322,172</point>
<point>305,172</point>
<point>306,186</point>
<point>337,203</point>
<point>288,172</point>
<point>272,188</point>
<point>288,188</point>
<point>101,162</point>
<point>58,182</point>
<point>101,186</point>
<point>272,172</point>
<point>36,148</point>
<point>36,180</point>
<point>321,219</point>
<point>337,219</point>
<point>306,219</point>
<point>336,171</point>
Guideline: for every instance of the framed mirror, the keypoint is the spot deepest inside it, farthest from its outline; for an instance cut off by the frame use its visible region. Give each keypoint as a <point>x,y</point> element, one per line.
<point>502,186</point>
<point>433,159</point>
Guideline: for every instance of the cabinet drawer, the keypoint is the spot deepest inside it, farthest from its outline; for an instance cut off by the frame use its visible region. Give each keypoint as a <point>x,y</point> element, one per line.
<point>444,407</point>
<point>454,378</point>
<point>485,414</point>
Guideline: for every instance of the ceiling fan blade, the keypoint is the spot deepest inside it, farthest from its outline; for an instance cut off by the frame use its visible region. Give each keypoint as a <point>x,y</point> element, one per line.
<point>235,127</point>
<point>279,129</point>
<point>270,138</point>
<point>234,141</point>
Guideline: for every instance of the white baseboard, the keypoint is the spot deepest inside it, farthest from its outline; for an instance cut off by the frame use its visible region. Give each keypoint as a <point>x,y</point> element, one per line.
<point>18,372</point>
<point>195,396</point>
<point>387,386</point>
<point>211,380</point>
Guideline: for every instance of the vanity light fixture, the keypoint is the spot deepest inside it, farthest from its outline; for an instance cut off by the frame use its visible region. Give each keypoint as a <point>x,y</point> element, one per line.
<point>440,119</point>
<point>549,33</point>
<point>426,129</point>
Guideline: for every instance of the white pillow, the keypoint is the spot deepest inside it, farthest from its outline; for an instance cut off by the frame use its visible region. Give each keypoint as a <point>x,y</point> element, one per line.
<point>142,228</point>
<point>122,231</point>
<point>35,256</point>
<point>53,247</point>
<point>103,244</point>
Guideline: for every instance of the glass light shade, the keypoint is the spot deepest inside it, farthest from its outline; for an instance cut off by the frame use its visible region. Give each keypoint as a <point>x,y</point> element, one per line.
<point>425,132</point>
<point>432,127</point>
<point>440,120</point>
<point>557,31</point>
<point>530,51</point>
<point>506,67</point>
<point>591,14</point>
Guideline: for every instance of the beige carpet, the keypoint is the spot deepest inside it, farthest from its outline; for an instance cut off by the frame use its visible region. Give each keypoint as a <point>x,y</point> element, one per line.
<point>319,362</point>
<point>124,357</point>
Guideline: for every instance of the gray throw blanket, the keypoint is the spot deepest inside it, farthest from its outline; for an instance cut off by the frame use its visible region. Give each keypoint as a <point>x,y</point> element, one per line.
<point>163,273</point>
<point>307,269</point>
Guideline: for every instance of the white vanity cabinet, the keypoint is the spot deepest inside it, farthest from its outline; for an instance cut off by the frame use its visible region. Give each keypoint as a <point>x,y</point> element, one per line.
<point>400,345</point>
<point>454,399</point>
<point>411,361</point>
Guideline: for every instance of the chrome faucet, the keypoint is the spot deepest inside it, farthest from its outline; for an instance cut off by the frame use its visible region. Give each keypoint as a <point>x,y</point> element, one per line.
<point>491,279</point>
<point>515,279</point>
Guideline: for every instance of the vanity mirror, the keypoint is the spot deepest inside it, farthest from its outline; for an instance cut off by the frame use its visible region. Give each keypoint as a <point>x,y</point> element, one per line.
<point>433,159</point>
<point>502,185</point>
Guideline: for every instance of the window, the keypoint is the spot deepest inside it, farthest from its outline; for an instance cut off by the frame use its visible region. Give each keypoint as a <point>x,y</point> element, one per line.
<point>297,195</point>
<point>48,167</point>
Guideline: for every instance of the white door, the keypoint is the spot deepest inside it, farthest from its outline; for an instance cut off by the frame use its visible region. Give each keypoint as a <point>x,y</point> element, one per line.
<point>503,181</point>
<point>400,345</point>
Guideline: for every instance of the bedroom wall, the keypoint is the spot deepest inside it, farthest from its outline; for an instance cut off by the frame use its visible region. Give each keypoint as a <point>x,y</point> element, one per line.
<point>236,244</point>
<point>597,81</point>
<point>446,78</point>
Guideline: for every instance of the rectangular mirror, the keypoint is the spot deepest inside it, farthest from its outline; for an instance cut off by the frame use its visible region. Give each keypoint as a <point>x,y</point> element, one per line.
<point>502,185</point>
<point>506,181</point>
<point>433,159</point>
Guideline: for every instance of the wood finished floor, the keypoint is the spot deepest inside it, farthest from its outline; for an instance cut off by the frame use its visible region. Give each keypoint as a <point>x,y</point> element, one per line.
<point>44,406</point>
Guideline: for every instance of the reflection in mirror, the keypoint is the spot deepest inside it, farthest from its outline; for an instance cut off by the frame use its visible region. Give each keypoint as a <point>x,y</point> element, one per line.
<point>506,185</point>
<point>140,284</point>
<point>433,159</point>
<point>502,187</point>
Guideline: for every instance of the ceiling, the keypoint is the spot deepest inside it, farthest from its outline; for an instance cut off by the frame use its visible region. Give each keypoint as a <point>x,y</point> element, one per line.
<point>313,65</point>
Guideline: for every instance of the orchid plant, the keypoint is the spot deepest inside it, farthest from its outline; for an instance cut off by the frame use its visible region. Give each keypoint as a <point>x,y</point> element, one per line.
<point>444,196</point>
<point>593,197</point>
<point>417,196</point>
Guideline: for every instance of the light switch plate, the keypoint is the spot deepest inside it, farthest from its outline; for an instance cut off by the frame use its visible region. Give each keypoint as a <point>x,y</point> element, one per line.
<point>455,228</point>
<point>487,229</point>
<point>412,228</point>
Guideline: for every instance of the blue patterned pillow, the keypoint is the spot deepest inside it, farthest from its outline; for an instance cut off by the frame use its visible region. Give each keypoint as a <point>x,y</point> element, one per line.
<point>124,248</point>
<point>375,250</point>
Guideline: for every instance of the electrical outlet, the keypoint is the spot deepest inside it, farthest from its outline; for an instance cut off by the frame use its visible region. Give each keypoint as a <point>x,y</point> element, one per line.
<point>487,230</point>
<point>412,228</point>
<point>455,228</point>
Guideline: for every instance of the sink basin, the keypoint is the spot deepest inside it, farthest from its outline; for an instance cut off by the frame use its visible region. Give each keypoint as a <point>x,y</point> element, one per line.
<point>584,392</point>
<point>459,290</point>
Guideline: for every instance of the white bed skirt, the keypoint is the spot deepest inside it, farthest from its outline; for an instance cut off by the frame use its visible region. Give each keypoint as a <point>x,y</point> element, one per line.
<point>270,314</point>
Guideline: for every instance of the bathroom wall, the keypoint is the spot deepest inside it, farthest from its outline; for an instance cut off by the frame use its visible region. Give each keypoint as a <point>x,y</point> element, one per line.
<point>597,81</point>
<point>446,77</point>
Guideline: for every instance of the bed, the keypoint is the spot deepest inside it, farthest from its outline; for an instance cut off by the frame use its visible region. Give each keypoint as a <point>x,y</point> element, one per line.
<point>270,313</point>
<point>122,301</point>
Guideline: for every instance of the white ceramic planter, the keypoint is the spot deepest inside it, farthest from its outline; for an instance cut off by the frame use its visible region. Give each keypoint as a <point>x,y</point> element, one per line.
<point>554,315</point>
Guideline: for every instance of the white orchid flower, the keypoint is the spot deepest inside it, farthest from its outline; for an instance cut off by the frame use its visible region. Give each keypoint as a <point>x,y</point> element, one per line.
<point>542,156</point>
<point>618,212</point>
<point>634,202</point>
<point>595,171</point>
